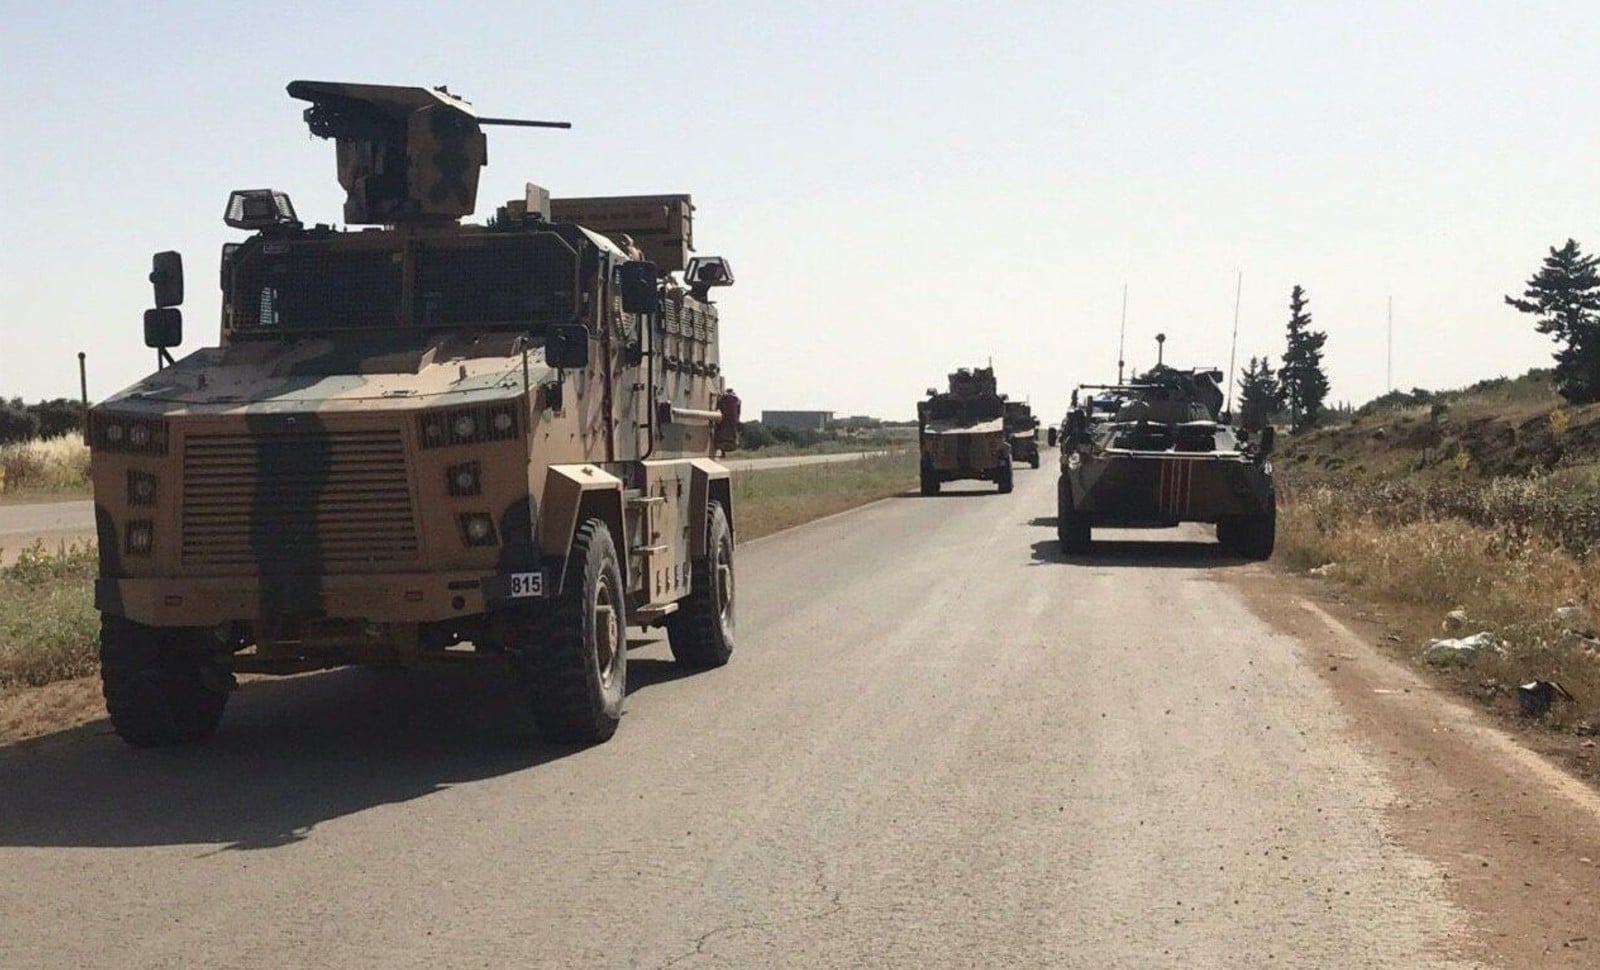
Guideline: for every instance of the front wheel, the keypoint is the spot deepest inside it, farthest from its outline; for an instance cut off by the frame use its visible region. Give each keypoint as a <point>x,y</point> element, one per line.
<point>576,671</point>
<point>1003,478</point>
<point>701,631</point>
<point>1072,529</point>
<point>163,686</point>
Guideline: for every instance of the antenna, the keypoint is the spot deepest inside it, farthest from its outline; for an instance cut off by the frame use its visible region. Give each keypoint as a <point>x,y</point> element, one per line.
<point>1233,349</point>
<point>1388,365</point>
<point>1161,345</point>
<point>1122,333</point>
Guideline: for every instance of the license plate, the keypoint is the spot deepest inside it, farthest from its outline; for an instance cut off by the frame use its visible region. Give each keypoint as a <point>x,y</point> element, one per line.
<point>526,584</point>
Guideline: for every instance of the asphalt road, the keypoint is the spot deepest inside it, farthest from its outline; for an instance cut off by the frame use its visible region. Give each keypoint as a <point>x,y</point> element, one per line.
<point>56,522</point>
<point>938,745</point>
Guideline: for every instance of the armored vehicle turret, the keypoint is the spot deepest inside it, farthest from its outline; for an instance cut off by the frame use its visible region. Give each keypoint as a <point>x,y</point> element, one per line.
<point>1157,451</point>
<point>962,432</point>
<point>422,442</point>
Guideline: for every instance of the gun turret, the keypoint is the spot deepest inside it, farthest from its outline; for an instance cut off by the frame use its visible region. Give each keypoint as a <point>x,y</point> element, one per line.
<point>405,155</point>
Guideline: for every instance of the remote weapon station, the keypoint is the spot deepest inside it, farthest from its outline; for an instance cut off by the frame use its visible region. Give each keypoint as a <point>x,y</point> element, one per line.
<point>420,441</point>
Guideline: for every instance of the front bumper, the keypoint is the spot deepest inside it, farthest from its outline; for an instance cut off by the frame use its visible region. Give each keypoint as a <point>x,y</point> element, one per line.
<point>385,598</point>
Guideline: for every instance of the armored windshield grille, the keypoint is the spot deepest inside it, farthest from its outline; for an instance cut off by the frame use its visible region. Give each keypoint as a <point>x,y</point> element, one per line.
<point>315,287</point>
<point>498,280</point>
<point>297,502</point>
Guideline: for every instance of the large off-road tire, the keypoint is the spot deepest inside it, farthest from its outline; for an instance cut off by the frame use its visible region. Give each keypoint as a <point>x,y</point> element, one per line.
<point>1002,478</point>
<point>1072,529</point>
<point>1251,536</point>
<point>576,670</point>
<point>701,631</point>
<point>930,481</point>
<point>163,686</point>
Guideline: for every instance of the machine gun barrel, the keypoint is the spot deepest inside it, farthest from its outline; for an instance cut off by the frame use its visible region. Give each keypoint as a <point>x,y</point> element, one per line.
<point>522,123</point>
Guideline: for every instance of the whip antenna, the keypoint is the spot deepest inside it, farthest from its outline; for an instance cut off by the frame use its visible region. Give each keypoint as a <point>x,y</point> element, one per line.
<point>1233,350</point>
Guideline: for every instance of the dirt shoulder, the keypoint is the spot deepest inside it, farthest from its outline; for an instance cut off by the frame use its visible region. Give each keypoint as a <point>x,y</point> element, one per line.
<point>1517,836</point>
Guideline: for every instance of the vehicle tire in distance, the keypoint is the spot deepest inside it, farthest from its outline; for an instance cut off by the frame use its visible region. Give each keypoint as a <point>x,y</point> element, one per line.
<point>1003,478</point>
<point>1033,462</point>
<point>701,632</point>
<point>930,481</point>
<point>576,671</point>
<point>163,686</point>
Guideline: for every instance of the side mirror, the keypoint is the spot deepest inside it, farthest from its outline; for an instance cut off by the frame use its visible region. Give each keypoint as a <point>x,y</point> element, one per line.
<point>566,345</point>
<point>163,327</point>
<point>639,291</point>
<point>166,276</point>
<point>1268,439</point>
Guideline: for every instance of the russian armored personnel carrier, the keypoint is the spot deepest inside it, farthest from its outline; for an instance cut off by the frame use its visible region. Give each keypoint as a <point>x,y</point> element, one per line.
<point>420,441</point>
<point>1022,433</point>
<point>1164,456</point>
<point>962,432</point>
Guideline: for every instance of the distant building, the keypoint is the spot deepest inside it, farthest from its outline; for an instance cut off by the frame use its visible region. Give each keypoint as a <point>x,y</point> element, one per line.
<point>797,420</point>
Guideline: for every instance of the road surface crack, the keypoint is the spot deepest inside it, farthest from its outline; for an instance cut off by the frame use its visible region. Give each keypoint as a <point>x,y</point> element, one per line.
<point>833,906</point>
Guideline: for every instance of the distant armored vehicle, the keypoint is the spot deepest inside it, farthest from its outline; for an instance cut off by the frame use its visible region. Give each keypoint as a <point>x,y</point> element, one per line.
<point>1164,457</point>
<point>1022,433</point>
<point>418,442</point>
<point>962,432</point>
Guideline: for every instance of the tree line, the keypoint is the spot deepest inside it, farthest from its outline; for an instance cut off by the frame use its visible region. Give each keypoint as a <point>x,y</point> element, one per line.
<point>1299,387</point>
<point>45,419</point>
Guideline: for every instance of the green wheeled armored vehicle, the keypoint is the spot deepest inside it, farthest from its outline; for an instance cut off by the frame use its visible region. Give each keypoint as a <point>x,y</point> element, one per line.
<point>962,432</point>
<point>1022,433</point>
<point>1163,457</point>
<point>420,442</point>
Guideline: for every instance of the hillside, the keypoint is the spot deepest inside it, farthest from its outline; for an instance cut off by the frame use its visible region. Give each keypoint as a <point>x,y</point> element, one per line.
<point>1495,428</point>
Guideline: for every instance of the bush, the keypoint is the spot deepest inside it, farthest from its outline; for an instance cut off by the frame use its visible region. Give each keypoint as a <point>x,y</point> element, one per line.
<point>59,464</point>
<point>49,628</point>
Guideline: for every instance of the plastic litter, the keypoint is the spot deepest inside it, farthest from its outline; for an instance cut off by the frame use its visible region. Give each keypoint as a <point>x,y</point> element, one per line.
<point>1459,651</point>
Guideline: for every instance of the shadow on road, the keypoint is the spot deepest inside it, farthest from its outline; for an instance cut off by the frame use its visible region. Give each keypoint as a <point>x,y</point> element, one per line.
<point>290,754</point>
<point>947,493</point>
<point>1133,553</point>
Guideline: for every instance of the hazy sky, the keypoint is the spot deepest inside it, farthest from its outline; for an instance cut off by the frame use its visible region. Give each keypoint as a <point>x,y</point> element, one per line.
<point>901,188</point>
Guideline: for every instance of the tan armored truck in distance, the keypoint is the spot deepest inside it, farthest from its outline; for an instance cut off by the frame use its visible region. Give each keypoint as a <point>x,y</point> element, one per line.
<point>962,432</point>
<point>420,441</point>
<point>1022,433</point>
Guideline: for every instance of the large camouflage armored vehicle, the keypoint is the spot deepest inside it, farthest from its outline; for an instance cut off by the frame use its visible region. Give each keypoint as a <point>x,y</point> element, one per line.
<point>1164,456</point>
<point>1022,433</point>
<point>422,441</point>
<point>962,432</point>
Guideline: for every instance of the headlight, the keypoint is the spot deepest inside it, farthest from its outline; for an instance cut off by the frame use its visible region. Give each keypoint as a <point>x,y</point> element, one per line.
<point>141,488</point>
<point>128,434</point>
<point>139,435</point>
<point>141,536</point>
<point>1266,467</point>
<point>503,422</point>
<point>477,529</point>
<point>464,479</point>
<point>1074,460</point>
<point>464,426</point>
<point>114,433</point>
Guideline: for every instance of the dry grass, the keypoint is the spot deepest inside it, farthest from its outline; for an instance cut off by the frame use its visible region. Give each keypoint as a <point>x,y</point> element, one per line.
<point>51,466</point>
<point>48,623</point>
<point>770,500</point>
<point>1508,578</point>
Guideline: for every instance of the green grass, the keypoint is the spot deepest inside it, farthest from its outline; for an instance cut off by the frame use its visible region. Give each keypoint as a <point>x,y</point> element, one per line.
<point>769,500</point>
<point>48,624</point>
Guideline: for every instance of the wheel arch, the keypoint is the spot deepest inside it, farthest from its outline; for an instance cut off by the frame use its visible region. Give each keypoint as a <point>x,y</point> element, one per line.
<point>709,482</point>
<point>573,493</point>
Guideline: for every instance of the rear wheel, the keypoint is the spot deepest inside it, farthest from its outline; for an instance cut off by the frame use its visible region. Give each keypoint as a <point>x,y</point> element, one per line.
<point>1003,478</point>
<point>929,480</point>
<point>701,631</point>
<point>1072,529</point>
<point>163,686</point>
<point>576,671</point>
<point>1033,462</point>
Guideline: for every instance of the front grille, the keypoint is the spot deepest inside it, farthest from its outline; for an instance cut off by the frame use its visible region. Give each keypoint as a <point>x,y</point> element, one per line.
<point>297,502</point>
